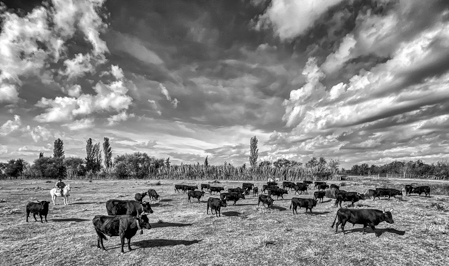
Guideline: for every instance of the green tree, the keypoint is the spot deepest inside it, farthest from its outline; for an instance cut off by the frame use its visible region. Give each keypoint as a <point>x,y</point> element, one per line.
<point>96,151</point>
<point>254,152</point>
<point>206,162</point>
<point>14,168</point>
<point>107,150</point>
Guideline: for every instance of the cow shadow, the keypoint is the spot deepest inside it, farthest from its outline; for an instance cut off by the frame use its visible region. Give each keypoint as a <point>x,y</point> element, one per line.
<point>231,213</point>
<point>317,213</point>
<point>150,243</point>
<point>279,208</point>
<point>157,204</point>
<point>325,201</point>
<point>70,220</point>
<point>163,224</point>
<point>378,232</point>
<point>83,203</point>
<point>244,204</point>
<point>165,200</point>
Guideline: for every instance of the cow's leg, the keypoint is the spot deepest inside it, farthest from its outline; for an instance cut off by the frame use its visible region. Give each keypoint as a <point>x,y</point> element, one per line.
<point>129,244</point>
<point>219,212</point>
<point>34,215</point>
<point>28,214</point>
<point>102,245</point>
<point>98,242</point>
<point>343,226</point>
<point>46,218</point>
<point>40,215</point>
<point>122,241</point>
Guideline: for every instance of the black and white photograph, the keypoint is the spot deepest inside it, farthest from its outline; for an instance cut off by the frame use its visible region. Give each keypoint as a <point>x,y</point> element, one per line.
<point>224,132</point>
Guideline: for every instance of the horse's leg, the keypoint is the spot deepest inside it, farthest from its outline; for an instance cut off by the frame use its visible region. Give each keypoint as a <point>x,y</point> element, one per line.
<point>53,198</point>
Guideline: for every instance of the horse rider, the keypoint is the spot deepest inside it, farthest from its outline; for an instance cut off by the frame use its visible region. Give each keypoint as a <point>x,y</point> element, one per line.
<point>60,185</point>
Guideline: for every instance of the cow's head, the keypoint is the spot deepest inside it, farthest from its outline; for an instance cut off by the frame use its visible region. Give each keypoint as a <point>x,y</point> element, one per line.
<point>387,216</point>
<point>44,204</point>
<point>360,196</point>
<point>314,202</point>
<point>223,203</point>
<point>241,195</point>
<point>146,207</point>
<point>202,193</point>
<point>270,201</point>
<point>143,222</point>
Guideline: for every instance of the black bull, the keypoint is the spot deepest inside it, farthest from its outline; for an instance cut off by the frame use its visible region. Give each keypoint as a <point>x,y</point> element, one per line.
<point>367,217</point>
<point>125,226</point>
<point>128,207</point>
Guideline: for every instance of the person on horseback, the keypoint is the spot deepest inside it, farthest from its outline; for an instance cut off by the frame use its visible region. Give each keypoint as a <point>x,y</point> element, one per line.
<point>60,185</point>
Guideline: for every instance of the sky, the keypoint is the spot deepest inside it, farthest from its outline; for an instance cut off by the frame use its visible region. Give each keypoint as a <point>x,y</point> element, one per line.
<point>357,81</point>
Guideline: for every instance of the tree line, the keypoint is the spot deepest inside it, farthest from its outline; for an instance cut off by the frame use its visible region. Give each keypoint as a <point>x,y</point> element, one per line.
<point>99,163</point>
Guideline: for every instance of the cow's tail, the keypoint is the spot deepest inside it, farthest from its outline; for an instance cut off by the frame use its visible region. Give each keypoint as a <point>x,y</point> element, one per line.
<point>100,234</point>
<point>332,226</point>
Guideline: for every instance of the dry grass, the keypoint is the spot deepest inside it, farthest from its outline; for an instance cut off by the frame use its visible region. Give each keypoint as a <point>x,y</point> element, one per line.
<point>246,234</point>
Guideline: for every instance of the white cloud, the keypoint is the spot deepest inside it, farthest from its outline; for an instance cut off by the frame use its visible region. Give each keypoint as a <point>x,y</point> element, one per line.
<point>336,60</point>
<point>122,116</point>
<point>175,102</point>
<point>136,48</point>
<point>165,92</point>
<point>40,133</point>
<point>80,124</point>
<point>78,66</point>
<point>153,105</point>
<point>8,93</point>
<point>10,126</point>
<point>3,149</point>
<point>117,72</point>
<point>74,91</point>
<point>109,98</point>
<point>293,18</point>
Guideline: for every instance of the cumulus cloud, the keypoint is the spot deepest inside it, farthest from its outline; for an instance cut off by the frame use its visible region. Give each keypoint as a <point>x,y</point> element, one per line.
<point>122,116</point>
<point>80,124</point>
<point>8,93</point>
<point>10,126</point>
<point>154,106</point>
<point>40,133</point>
<point>110,97</point>
<point>293,18</point>
<point>32,42</point>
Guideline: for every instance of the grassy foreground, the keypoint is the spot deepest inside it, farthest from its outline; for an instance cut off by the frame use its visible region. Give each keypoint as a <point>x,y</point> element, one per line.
<point>183,234</point>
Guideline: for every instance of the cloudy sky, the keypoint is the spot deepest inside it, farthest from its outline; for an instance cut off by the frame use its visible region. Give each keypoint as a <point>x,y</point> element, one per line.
<point>358,81</point>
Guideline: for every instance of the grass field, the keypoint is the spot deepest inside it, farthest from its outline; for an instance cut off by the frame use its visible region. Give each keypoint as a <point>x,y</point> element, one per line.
<point>246,234</point>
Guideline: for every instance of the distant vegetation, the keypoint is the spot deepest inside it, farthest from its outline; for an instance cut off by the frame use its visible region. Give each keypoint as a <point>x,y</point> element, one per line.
<point>142,166</point>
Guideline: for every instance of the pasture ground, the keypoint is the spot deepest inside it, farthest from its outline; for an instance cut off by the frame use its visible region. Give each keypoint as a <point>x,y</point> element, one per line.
<point>245,234</point>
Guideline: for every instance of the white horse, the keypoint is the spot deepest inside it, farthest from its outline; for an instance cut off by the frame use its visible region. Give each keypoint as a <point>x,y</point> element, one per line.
<point>56,192</point>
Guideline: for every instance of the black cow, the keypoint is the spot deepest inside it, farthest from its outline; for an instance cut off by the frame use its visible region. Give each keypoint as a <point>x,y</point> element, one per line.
<point>319,195</point>
<point>300,187</point>
<point>215,204</point>
<point>207,186</point>
<point>40,208</point>
<point>278,192</point>
<point>266,187</point>
<point>139,196</point>
<point>272,184</point>
<point>422,189</point>
<point>247,186</point>
<point>408,189</point>
<point>195,194</point>
<point>307,182</point>
<point>179,187</point>
<point>347,196</point>
<point>236,190</point>
<point>372,193</point>
<point>152,194</point>
<point>255,191</point>
<point>333,186</point>
<point>288,184</point>
<point>189,187</point>
<point>300,202</point>
<point>265,199</point>
<point>128,207</point>
<point>233,196</point>
<point>215,189</point>
<point>318,183</point>
<point>125,226</point>
<point>387,192</point>
<point>323,186</point>
<point>367,217</point>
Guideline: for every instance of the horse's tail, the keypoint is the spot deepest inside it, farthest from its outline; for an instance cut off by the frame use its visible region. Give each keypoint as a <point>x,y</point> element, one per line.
<point>100,234</point>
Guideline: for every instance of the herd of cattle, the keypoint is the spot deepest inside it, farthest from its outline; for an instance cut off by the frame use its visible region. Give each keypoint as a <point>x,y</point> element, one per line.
<point>126,217</point>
